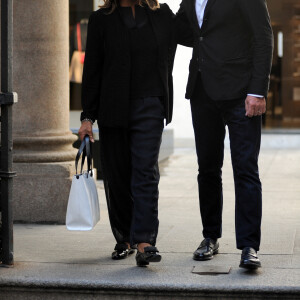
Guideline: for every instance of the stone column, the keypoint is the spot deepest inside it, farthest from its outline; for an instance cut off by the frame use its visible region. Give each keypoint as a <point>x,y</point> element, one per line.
<point>43,152</point>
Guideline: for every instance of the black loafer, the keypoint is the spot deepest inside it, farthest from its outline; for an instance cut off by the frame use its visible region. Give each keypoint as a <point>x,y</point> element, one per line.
<point>150,255</point>
<point>249,259</point>
<point>206,250</point>
<point>121,251</point>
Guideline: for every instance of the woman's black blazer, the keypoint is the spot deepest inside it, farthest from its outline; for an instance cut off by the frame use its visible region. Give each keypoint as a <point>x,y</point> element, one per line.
<point>106,73</point>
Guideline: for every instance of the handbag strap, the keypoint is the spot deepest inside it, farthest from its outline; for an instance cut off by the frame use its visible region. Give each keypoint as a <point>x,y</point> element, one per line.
<point>80,150</point>
<point>87,153</point>
<point>85,150</point>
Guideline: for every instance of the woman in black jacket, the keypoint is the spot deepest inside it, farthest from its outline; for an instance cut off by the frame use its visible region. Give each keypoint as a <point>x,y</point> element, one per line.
<point>127,87</point>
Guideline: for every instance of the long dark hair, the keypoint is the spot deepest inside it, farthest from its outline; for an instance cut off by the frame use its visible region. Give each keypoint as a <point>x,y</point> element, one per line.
<point>112,4</point>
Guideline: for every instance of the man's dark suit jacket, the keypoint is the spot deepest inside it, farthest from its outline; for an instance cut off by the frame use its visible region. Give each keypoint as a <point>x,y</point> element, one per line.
<point>233,49</point>
<point>106,75</point>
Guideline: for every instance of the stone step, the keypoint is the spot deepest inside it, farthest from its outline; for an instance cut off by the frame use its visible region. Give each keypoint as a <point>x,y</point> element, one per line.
<point>105,279</point>
<point>47,291</point>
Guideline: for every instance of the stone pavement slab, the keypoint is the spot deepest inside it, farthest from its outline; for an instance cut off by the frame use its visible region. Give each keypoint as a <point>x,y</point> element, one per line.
<point>50,256</point>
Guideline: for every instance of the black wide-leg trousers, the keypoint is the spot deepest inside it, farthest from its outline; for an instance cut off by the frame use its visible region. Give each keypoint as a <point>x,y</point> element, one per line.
<point>209,120</point>
<point>129,159</point>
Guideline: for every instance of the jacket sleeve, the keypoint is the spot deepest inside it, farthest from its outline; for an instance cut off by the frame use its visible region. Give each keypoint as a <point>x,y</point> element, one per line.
<point>256,14</point>
<point>183,30</point>
<point>92,70</point>
<point>172,47</point>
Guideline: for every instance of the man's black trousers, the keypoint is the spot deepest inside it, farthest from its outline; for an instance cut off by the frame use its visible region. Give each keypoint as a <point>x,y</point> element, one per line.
<point>129,159</point>
<point>209,120</point>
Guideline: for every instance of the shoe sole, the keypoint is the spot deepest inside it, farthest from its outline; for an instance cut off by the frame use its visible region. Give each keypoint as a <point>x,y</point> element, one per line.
<point>250,266</point>
<point>206,258</point>
<point>151,259</point>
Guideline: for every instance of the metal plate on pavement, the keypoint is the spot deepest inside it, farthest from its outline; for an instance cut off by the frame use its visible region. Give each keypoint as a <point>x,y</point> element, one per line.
<point>211,270</point>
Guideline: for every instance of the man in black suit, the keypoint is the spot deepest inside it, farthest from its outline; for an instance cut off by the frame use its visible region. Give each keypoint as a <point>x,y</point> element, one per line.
<point>228,84</point>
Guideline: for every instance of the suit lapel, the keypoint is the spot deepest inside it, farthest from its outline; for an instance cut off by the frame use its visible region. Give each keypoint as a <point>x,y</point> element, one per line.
<point>191,11</point>
<point>209,5</point>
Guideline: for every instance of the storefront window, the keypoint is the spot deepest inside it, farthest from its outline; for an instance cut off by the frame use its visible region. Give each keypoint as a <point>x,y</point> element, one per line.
<point>79,14</point>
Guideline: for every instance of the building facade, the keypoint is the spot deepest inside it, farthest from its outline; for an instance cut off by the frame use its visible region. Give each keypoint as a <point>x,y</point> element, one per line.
<point>285,15</point>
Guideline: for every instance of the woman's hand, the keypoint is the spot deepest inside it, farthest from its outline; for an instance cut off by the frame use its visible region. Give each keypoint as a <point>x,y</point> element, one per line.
<point>86,129</point>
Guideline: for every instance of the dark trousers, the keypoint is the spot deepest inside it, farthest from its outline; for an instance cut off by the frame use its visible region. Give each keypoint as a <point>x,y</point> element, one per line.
<point>209,120</point>
<point>129,160</point>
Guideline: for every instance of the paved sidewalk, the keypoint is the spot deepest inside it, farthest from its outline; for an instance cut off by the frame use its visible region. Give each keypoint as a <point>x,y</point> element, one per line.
<point>51,257</point>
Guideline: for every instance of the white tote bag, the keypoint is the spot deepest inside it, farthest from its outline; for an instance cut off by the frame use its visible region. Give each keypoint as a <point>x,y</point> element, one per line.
<point>83,211</point>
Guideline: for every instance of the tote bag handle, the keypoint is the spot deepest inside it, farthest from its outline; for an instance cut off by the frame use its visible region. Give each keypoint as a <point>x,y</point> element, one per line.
<point>85,150</point>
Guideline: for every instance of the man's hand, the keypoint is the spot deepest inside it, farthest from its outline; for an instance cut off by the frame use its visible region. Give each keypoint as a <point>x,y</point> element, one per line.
<point>255,106</point>
<point>86,129</point>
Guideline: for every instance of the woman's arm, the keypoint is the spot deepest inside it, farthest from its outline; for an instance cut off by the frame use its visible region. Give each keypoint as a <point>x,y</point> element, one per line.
<point>92,71</point>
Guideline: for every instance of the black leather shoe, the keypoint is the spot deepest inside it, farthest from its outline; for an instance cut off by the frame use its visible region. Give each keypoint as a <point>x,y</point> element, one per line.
<point>121,251</point>
<point>150,255</point>
<point>206,250</point>
<point>249,259</point>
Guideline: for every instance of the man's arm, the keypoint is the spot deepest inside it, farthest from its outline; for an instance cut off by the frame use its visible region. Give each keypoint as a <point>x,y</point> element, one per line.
<point>183,30</point>
<point>257,17</point>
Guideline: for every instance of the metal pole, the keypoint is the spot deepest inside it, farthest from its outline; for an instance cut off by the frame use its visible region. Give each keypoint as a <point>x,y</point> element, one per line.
<point>6,100</point>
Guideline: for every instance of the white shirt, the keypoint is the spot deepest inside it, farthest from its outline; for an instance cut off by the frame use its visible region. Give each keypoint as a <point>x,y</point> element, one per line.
<point>200,9</point>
